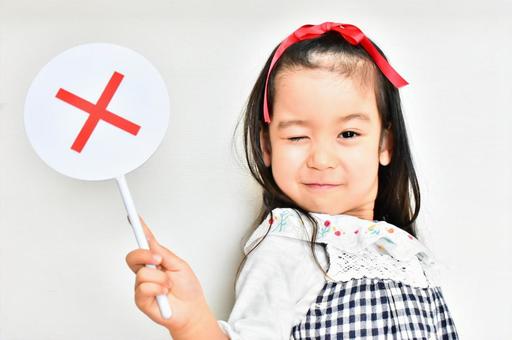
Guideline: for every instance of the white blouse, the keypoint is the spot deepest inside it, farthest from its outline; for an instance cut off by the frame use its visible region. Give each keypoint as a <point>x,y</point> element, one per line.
<point>280,280</point>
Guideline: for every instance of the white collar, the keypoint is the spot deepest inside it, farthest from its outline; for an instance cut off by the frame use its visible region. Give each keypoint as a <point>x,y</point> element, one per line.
<point>344,232</point>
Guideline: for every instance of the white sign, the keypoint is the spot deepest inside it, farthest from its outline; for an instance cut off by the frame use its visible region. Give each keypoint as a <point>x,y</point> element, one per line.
<point>96,111</point>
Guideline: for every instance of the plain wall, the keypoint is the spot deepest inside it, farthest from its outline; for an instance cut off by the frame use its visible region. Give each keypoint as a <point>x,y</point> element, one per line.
<point>63,242</point>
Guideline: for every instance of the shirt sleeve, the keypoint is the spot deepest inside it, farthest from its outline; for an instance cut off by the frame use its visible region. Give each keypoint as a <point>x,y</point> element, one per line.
<point>266,291</point>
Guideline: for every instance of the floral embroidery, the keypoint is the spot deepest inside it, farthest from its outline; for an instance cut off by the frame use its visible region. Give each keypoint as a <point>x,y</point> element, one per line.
<point>388,240</point>
<point>372,230</point>
<point>354,237</point>
<point>328,227</point>
<point>281,221</point>
<point>325,229</point>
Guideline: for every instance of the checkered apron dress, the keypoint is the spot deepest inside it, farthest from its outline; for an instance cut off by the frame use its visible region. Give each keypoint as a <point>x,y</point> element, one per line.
<point>381,281</point>
<point>370,308</point>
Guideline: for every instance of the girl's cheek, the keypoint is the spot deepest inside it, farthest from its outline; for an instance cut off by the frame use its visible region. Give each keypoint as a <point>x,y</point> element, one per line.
<point>292,155</point>
<point>296,151</point>
<point>364,169</point>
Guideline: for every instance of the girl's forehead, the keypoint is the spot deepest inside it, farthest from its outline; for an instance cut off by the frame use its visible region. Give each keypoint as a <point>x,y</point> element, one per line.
<point>318,94</point>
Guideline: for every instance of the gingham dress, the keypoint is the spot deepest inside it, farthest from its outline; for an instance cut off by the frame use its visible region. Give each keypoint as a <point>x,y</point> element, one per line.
<point>371,303</point>
<point>380,284</point>
<point>377,309</point>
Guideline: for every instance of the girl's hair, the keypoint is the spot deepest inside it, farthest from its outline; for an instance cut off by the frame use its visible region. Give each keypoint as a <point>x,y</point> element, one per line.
<point>393,201</point>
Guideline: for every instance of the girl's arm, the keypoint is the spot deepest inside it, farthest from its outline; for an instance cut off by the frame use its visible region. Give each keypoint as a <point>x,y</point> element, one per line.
<point>274,290</point>
<point>191,316</point>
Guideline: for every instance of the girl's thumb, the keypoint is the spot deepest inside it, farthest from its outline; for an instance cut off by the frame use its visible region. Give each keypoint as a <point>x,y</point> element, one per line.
<point>149,234</point>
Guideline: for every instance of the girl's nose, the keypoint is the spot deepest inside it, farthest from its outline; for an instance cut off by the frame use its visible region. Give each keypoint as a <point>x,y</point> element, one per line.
<point>322,157</point>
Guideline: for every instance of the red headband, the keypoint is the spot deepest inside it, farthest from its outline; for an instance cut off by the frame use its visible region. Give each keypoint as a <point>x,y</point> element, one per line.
<point>350,33</point>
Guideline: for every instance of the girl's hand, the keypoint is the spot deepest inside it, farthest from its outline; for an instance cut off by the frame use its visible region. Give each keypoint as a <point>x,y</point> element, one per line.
<point>172,277</point>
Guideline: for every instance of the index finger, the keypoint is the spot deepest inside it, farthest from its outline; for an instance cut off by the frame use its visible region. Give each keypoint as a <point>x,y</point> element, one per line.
<point>138,258</point>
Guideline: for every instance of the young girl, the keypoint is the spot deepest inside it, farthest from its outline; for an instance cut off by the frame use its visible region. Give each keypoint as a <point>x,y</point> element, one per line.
<point>335,253</point>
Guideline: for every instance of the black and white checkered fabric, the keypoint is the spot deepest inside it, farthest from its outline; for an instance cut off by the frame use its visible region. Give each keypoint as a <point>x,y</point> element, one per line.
<point>372,308</point>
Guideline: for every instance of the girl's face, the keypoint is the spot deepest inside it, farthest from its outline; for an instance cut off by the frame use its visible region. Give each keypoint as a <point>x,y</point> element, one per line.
<point>324,138</point>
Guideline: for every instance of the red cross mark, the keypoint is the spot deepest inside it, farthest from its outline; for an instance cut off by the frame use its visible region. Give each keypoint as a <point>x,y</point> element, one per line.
<point>97,112</point>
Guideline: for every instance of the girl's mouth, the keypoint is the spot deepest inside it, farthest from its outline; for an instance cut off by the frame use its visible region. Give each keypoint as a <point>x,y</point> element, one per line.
<point>319,186</point>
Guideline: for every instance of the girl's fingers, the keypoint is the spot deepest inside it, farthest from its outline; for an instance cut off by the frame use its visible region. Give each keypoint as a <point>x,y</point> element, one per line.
<point>170,261</point>
<point>146,292</point>
<point>158,255</point>
<point>138,258</point>
<point>153,276</point>
<point>149,234</point>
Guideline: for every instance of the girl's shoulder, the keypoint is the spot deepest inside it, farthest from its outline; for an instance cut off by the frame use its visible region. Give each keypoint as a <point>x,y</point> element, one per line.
<point>346,235</point>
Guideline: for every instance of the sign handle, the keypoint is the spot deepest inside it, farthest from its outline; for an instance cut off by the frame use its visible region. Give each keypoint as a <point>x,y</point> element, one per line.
<point>163,301</point>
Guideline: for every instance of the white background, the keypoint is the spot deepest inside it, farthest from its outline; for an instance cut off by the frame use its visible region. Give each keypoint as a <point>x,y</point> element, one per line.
<point>63,242</point>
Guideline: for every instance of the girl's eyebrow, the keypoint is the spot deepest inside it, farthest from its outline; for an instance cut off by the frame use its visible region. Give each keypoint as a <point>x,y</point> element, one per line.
<point>287,123</point>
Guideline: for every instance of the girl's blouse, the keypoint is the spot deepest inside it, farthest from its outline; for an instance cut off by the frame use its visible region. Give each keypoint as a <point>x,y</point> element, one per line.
<point>280,280</point>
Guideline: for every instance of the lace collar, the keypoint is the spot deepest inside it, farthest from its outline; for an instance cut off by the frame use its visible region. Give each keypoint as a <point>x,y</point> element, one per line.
<point>345,232</point>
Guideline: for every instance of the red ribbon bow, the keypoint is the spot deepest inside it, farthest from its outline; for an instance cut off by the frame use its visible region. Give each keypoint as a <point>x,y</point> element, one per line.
<point>350,33</point>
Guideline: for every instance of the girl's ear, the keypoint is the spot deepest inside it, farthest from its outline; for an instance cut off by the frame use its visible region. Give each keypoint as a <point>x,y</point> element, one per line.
<point>265,148</point>
<point>386,147</point>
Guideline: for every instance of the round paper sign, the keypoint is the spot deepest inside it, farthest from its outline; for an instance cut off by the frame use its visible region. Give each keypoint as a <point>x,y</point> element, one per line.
<point>96,111</point>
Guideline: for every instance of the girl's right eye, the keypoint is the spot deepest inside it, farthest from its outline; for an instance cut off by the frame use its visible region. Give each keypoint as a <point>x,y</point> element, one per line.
<point>295,139</point>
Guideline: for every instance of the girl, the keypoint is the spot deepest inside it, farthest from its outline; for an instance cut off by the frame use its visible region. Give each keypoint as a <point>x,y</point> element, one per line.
<point>335,253</point>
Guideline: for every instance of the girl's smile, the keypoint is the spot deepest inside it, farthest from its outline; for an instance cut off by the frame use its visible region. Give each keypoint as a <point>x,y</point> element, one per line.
<point>316,186</point>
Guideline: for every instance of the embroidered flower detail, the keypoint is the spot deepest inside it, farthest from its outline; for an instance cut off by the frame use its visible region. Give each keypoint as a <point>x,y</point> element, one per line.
<point>329,228</point>
<point>373,230</point>
<point>280,221</point>
<point>325,229</point>
<point>356,232</point>
<point>391,230</point>
<point>388,240</point>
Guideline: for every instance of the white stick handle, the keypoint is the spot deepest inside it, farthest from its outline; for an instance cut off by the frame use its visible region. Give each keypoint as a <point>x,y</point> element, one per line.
<point>163,302</point>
